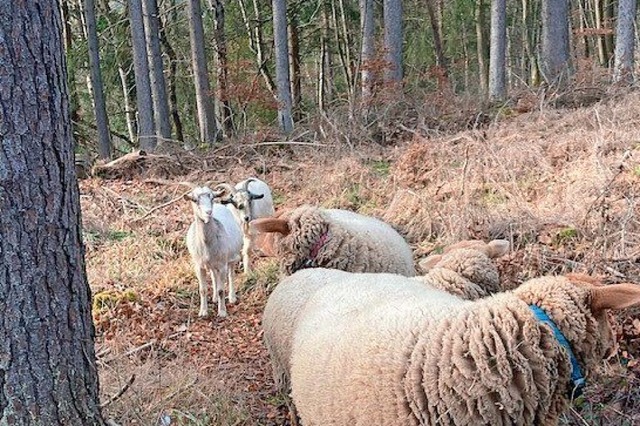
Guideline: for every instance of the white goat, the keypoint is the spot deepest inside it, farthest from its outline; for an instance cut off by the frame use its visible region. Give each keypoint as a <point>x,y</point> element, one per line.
<point>214,240</point>
<point>250,199</point>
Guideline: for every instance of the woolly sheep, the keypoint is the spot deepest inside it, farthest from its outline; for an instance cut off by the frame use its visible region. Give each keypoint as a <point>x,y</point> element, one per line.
<point>214,241</point>
<point>465,269</point>
<point>250,199</point>
<point>381,349</point>
<point>313,237</point>
<point>461,270</point>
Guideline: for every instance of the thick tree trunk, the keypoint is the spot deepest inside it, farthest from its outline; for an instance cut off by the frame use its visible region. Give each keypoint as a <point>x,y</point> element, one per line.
<point>625,42</point>
<point>367,53</point>
<point>393,41</point>
<point>555,59</point>
<point>285,118</point>
<point>47,360</point>
<point>497,59</point>
<point>102,124</point>
<point>204,101</point>
<point>156,66</point>
<point>146,127</point>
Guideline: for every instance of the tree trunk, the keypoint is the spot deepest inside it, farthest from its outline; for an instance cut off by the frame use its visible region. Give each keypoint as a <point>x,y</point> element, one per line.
<point>393,41</point>
<point>325,78</point>
<point>294,67</point>
<point>367,53</point>
<point>172,75</point>
<point>130,114</point>
<point>438,46</point>
<point>625,43</point>
<point>530,32</point>
<point>285,118</point>
<point>146,128</point>
<point>102,124</point>
<point>483,50</point>
<point>497,59</point>
<point>48,370</point>
<point>204,101</point>
<point>603,56</point>
<point>555,59</point>
<point>225,113</point>
<point>68,45</point>
<point>158,85</point>
<point>342,45</point>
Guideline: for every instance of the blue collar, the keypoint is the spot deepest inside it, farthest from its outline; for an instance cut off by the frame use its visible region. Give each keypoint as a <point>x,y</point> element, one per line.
<point>577,378</point>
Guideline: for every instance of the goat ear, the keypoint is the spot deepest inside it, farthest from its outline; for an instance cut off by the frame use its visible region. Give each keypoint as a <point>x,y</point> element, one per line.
<point>430,262</point>
<point>256,196</point>
<point>228,201</point>
<point>189,197</point>
<point>497,248</point>
<point>271,224</point>
<point>616,296</point>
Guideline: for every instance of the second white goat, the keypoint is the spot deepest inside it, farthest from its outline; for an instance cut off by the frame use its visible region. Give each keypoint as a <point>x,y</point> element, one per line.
<point>214,241</point>
<point>250,199</point>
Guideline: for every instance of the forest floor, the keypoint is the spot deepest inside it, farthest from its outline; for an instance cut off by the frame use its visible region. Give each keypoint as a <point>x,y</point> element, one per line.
<point>562,185</point>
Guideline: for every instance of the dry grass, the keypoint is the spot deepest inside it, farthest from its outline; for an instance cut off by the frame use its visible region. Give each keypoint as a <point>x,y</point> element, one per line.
<point>561,185</point>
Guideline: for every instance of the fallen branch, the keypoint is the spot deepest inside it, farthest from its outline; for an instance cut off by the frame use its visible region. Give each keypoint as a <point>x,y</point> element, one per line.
<point>120,392</point>
<point>161,206</point>
<point>131,352</point>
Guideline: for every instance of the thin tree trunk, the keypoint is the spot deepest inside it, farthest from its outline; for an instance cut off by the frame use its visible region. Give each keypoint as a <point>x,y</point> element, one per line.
<point>583,26</point>
<point>367,53</point>
<point>294,67</point>
<point>68,45</point>
<point>497,59</point>
<point>129,112</point>
<point>285,118</point>
<point>343,53</point>
<point>608,20</point>
<point>172,75</point>
<point>225,113</point>
<point>158,85</point>
<point>393,35</point>
<point>102,124</point>
<point>482,47</point>
<point>326,62</point>
<point>603,57</point>
<point>204,103</point>
<point>625,43</point>
<point>438,47</point>
<point>146,127</point>
<point>48,372</point>
<point>530,27</point>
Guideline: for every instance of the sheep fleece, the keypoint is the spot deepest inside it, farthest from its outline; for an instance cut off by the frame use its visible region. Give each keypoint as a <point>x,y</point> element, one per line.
<point>380,349</point>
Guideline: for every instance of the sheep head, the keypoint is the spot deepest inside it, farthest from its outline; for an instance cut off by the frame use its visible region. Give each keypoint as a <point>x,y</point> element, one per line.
<point>201,199</point>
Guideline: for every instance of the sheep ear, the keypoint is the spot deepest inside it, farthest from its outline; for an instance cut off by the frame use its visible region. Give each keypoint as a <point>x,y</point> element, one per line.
<point>430,262</point>
<point>616,296</point>
<point>271,224</point>
<point>497,248</point>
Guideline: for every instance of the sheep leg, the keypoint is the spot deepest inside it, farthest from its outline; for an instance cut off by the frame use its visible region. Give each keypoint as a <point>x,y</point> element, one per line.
<point>202,289</point>
<point>218,288</point>
<point>246,249</point>
<point>232,289</point>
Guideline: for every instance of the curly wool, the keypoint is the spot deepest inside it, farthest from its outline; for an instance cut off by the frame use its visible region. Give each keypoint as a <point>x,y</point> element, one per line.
<point>386,350</point>
<point>355,243</point>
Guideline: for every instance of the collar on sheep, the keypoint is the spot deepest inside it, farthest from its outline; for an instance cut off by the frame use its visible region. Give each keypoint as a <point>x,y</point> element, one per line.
<point>315,249</point>
<point>577,378</point>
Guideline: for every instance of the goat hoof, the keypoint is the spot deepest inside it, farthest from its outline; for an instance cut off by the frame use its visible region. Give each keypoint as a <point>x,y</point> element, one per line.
<point>222,314</point>
<point>203,314</point>
<point>233,300</point>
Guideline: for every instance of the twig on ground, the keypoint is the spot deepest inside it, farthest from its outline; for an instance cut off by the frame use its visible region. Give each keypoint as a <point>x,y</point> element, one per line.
<point>161,206</point>
<point>575,413</point>
<point>120,392</point>
<point>131,352</point>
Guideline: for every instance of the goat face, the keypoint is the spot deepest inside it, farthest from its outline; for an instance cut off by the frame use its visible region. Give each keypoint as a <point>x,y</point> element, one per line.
<point>202,202</point>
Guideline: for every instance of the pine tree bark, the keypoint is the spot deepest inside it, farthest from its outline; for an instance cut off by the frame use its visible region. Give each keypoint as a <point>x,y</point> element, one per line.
<point>367,53</point>
<point>97,88</point>
<point>555,59</point>
<point>144,101</point>
<point>47,360</point>
<point>625,42</point>
<point>204,101</point>
<point>156,66</point>
<point>497,57</point>
<point>393,41</point>
<point>285,118</point>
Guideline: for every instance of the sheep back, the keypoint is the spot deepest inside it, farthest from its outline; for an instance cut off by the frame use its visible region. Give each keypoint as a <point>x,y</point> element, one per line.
<point>387,350</point>
<point>355,243</point>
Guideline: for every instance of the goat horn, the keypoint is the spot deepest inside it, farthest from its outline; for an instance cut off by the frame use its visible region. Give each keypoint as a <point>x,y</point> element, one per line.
<point>223,188</point>
<point>247,182</point>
